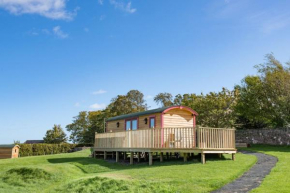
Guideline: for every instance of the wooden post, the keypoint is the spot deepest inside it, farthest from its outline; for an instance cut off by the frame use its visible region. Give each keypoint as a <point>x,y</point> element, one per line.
<point>161,156</point>
<point>220,155</point>
<point>138,156</point>
<point>117,156</point>
<point>105,155</point>
<point>202,158</point>
<point>150,158</point>
<point>125,155</point>
<point>94,154</point>
<point>233,156</point>
<point>185,157</point>
<point>131,158</point>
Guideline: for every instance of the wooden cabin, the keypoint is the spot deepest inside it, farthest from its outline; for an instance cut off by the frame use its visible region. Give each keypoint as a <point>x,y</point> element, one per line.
<point>166,117</point>
<point>9,151</point>
<point>163,130</point>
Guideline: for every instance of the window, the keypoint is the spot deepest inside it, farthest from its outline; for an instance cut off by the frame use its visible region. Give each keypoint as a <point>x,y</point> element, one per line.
<point>131,124</point>
<point>152,122</point>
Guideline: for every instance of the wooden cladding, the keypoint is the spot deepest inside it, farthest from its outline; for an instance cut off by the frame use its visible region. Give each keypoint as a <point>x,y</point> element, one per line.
<point>177,118</point>
<point>175,138</point>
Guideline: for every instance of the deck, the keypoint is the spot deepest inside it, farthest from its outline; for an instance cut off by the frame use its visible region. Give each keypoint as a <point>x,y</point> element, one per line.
<point>189,140</point>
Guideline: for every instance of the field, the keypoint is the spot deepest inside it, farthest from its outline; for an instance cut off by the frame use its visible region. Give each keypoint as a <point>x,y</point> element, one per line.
<point>76,172</point>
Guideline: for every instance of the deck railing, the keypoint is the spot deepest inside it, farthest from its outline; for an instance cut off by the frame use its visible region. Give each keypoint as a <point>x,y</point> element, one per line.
<point>177,138</point>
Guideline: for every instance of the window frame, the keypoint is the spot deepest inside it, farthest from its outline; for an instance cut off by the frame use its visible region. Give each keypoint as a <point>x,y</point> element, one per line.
<point>152,117</point>
<point>131,123</point>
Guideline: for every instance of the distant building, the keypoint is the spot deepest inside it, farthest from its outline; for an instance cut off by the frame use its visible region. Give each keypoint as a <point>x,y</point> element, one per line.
<point>33,141</point>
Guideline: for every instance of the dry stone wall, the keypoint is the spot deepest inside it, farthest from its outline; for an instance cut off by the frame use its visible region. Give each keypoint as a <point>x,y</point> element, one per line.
<point>279,136</point>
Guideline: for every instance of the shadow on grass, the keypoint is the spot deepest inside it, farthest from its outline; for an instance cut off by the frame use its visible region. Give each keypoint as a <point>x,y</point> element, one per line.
<point>91,165</point>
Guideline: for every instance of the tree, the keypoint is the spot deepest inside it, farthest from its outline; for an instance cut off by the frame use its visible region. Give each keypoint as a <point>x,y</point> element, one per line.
<point>16,142</point>
<point>56,135</point>
<point>214,109</point>
<point>96,124</point>
<point>78,127</point>
<point>164,99</point>
<point>265,98</point>
<point>132,102</point>
<point>85,125</point>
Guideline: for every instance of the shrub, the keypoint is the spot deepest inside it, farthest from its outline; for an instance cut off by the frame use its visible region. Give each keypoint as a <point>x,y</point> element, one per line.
<point>44,149</point>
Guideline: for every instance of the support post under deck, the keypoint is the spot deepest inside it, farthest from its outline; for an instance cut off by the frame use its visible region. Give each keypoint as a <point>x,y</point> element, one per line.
<point>131,158</point>
<point>117,156</point>
<point>185,157</point>
<point>233,156</point>
<point>138,157</point>
<point>105,155</point>
<point>150,158</point>
<point>202,158</point>
<point>161,156</point>
<point>125,155</point>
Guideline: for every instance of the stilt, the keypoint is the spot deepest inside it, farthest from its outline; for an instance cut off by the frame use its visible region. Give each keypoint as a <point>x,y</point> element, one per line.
<point>131,158</point>
<point>117,156</point>
<point>138,156</point>
<point>150,158</point>
<point>161,156</point>
<point>220,155</point>
<point>125,155</point>
<point>233,156</point>
<point>94,154</point>
<point>185,157</point>
<point>202,158</point>
<point>105,155</point>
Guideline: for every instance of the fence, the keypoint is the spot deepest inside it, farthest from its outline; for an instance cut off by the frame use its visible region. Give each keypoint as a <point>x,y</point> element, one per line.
<point>176,138</point>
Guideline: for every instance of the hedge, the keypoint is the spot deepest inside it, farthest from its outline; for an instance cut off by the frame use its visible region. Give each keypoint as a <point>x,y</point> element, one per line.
<point>44,149</point>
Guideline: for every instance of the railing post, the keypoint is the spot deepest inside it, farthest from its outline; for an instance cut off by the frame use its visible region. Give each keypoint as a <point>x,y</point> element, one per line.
<point>197,137</point>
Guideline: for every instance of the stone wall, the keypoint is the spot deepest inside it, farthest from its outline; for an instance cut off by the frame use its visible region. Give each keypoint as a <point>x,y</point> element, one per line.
<point>264,136</point>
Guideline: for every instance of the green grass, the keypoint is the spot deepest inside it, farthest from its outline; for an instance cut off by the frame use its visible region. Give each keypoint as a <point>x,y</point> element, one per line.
<point>76,172</point>
<point>279,178</point>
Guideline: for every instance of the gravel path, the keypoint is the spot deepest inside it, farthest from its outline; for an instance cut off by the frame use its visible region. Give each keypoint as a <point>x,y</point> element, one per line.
<point>252,178</point>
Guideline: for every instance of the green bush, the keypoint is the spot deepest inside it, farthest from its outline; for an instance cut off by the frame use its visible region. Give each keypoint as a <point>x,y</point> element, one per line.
<point>44,149</point>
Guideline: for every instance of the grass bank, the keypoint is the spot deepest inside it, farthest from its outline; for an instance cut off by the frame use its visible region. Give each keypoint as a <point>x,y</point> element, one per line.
<point>76,172</point>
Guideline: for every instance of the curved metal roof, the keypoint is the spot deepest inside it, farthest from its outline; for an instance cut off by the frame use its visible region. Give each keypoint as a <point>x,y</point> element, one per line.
<point>8,145</point>
<point>159,110</point>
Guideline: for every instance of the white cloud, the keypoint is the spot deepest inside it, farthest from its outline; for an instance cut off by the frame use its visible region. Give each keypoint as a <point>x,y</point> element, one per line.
<point>77,104</point>
<point>98,106</point>
<point>101,2</point>
<point>59,33</point>
<point>53,9</point>
<point>101,91</point>
<point>149,97</point>
<point>123,7</point>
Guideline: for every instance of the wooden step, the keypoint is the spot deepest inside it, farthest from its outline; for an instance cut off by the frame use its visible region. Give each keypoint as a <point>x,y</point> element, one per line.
<point>241,145</point>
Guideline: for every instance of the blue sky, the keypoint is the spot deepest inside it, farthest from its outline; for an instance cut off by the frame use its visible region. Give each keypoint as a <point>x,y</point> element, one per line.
<point>60,57</point>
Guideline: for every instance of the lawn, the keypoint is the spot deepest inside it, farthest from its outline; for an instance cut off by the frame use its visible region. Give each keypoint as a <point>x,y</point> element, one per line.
<point>76,172</point>
<point>279,178</point>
